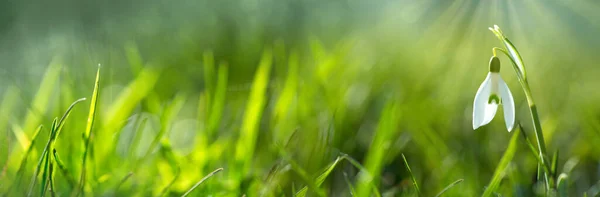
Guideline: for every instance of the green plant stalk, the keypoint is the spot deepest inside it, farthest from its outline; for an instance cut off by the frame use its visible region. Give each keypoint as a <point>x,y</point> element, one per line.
<point>537,126</point>
<point>539,135</point>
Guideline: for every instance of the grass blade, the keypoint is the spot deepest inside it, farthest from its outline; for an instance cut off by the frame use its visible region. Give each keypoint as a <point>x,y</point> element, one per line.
<point>166,189</point>
<point>321,178</point>
<point>40,103</point>
<point>123,181</point>
<point>42,159</point>
<point>449,186</point>
<point>350,187</point>
<point>63,169</point>
<point>201,181</point>
<point>218,103</point>
<point>246,144</point>
<point>380,145</point>
<point>506,158</point>
<point>88,129</point>
<point>169,114</point>
<point>314,185</point>
<point>554,166</point>
<point>412,177</point>
<point>21,169</point>
<point>62,120</point>
<point>303,175</point>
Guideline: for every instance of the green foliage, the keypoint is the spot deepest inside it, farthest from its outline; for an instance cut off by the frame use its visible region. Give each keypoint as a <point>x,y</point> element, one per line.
<point>295,98</point>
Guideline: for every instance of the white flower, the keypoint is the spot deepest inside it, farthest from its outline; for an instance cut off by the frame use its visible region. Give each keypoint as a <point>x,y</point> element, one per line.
<point>492,92</point>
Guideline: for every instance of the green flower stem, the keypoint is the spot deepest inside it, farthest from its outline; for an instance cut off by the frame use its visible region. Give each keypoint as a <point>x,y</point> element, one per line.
<point>537,126</point>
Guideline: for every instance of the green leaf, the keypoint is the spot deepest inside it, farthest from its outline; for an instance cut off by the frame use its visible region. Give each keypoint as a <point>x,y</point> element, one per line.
<point>506,159</point>
<point>88,128</point>
<point>246,143</point>
<point>412,176</point>
<point>449,186</point>
<point>201,181</point>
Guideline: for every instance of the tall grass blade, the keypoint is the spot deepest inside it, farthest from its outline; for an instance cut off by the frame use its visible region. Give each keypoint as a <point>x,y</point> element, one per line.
<point>123,180</point>
<point>63,169</point>
<point>412,176</point>
<point>42,159</point>
<point>349,183</point>
<point>216,110</point>
<point>166,189</point>
<point>554,166</point>
<point>321,178</point>
<point>506,159</point>
<point>167,118</point>
<point>88,129</point>
<point>209,75</point>
<point>9,101</point>
<point>201,181</point>
<point>302,174</point>
<point>562,185</point>
<point>449,186</point>
<point>21,169</point>
<point>380,145</point>
<point>246,144</point>
<point>133,57</point>
<point>40,103</point>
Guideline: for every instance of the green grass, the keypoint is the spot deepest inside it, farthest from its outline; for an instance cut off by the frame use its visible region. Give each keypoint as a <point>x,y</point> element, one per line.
<point>295,98</point>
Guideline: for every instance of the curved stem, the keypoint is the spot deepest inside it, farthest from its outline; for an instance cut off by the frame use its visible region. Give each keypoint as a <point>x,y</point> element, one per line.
<point>500,49</point>
<point>537,126</point>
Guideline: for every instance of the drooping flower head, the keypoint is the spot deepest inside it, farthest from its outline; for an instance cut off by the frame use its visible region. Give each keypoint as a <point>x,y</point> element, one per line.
<point>493,92</point>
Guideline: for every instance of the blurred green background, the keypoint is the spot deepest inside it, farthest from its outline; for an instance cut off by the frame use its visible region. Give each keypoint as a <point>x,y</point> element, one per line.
<point>273,91</point>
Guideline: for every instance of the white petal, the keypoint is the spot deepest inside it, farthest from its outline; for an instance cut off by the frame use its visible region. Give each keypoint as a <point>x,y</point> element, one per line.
<point>508,103</point>
<point>483,112</point>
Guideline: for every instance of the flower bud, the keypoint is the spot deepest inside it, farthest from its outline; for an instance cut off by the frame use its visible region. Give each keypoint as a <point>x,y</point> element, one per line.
<point>494,64</point>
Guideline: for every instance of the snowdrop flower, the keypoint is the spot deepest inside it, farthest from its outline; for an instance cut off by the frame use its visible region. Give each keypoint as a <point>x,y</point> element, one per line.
<point>493,92</point>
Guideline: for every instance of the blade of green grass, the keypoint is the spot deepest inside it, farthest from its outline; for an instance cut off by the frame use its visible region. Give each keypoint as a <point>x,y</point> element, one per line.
<point>544,165</point>
<point>201,181</point>
<point>48,174</point>
<point>88,130</point>
<point>363,170</point>
<point>321,178</point>
<point>283,114</point>
<point>349,183</point>
<point>449,186</point>
<point>122,107</point>
<point>63,169</point>
<point>165,190</point>
<point>21,169</point>
<point>303,175</point>
<point>218,103</point>
<point>554,166</point>
<point>380,145</point>
<point>506,159</point>
<point>40,103</point>
<point>42,159</point>
<point>246,144</point>
<point>412,176</point>
<point>168,116</point>
<point>133,57</point>
<point>562,185</point>
<point>123,180</point>
<point>209,73</point>
<point>9,101</point>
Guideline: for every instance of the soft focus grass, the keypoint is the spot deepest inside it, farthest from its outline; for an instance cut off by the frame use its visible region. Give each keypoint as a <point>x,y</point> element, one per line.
<point>307,98</point>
